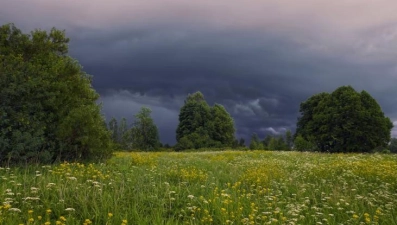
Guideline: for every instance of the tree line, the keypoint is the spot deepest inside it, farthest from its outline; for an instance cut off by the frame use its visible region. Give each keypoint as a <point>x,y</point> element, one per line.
<point>142,134</point>
<point>48,113</point>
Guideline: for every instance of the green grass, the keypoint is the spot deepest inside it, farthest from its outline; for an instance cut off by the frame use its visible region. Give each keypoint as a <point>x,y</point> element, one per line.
<point>230,187</point>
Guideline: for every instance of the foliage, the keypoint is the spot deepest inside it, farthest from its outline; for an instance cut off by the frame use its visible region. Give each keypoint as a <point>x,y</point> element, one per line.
<point>228,187</point>
<point>222,125</point>
<point>393,145</point>
<point>288,140</point>
<point>303,145</point>
<point>114,129</point>
<point>277,143</point>
<point>266,141</point>
<point>144,132</point>
<point>241,142</point>
<point>124,135</point>
<point>344,121</point>
<point>141,135</point>
<point>255,143</point>
<point>202,126</point>
<point>47,104</point>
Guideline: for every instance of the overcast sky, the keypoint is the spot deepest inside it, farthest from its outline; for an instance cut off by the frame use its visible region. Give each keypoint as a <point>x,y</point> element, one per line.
<point>259,58</point>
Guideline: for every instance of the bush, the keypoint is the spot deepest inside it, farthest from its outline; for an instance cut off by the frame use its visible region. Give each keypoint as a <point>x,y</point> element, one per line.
<point>48,107</point>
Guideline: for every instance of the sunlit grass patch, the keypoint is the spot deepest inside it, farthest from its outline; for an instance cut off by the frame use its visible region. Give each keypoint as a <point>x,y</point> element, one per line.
<point>263,174</point>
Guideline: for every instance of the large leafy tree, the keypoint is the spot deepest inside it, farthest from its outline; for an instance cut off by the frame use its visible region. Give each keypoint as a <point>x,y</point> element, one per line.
<point>222,125</point>
<point>344,121</point>
<point>203,126</point>
<point>194,116</point>
<point>47,104</point>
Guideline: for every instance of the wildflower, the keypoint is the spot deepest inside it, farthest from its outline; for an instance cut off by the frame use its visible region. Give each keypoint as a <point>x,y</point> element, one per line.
<point>110,214</point>
<point>70,209</point>
<point>48,211</point>
<point>190,196</point>
<point>34,189</point>
<point>14,210</point>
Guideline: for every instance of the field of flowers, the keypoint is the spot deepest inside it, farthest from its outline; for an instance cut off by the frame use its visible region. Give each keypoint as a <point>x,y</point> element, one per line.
<point>231,187</point>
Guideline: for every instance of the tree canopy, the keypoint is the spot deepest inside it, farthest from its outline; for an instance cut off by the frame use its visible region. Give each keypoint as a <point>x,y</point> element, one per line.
<point>203,126</point>
<point>343,121</point>
<point>393,145</point>
<point>145,135</point>
<point>48,107</point>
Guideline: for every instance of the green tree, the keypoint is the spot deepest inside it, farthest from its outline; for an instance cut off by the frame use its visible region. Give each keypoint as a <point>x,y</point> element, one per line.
<point>344,121</point>
<point>266,141</point>
<point>300,144</point>
<point>272,145</point>
<point>114,129</point>
<point>48,107</point>
<point>203,126</point>
<point>145,135</point>
<point>281,145</point>
<point>288,140</point>
<point>124,135</point>
<point>222,126</point>
<point>393,145</point>
<point>194,114</point>
<point>254,143</point>
<point>241,142</point>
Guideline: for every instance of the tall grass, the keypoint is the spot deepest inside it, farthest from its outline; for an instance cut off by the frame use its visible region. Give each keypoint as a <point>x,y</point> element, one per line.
<point>231,187</point>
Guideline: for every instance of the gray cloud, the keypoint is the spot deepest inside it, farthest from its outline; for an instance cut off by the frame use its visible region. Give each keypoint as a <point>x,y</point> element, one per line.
<point>259,59</point>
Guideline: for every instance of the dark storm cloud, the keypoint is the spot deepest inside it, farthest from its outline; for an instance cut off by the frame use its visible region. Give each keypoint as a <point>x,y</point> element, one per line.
<point>258,59</point>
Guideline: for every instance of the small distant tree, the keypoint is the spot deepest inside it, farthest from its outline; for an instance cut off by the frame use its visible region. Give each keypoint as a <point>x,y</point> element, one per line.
<point>235,144</point>
<point>266,141</point>
<point>123,135</point>
<point>393,145</point>
<point>144,132</point>
<point>281,145</point>
<point>241,142</point>
<point>288,140</point>
<point>272,145</point>
<point>114,129</point>
<point>254,143</point>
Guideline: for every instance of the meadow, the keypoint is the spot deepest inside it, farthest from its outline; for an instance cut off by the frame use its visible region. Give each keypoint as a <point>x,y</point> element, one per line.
<point>229,187</point>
